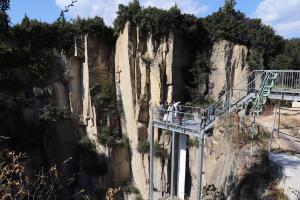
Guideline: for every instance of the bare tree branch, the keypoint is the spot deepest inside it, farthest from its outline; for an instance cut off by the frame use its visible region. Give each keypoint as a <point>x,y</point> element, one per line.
<point>67,9</point>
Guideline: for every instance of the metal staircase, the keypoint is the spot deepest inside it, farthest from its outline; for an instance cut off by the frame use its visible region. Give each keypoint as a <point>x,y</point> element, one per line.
<point>264,92</point>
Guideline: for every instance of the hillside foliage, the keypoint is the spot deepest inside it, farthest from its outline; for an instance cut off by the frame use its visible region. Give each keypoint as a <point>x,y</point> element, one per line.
<point>267,50</point>
<point>289,58</point>
<point>234,26</point>
<point>159,22</point>
<point>29,47</point>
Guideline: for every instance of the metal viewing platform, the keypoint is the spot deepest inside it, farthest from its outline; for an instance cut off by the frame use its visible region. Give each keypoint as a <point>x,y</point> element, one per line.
<point>253,90</point>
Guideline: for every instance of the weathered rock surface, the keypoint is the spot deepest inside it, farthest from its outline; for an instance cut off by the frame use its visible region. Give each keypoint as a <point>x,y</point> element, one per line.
<point>145,75</point>
<point>229,67</point>
<point>90,67</point>
<point>230,168</point>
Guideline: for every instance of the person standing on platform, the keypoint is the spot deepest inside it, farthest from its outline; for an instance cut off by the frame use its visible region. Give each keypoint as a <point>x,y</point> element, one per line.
<point>178,112</point>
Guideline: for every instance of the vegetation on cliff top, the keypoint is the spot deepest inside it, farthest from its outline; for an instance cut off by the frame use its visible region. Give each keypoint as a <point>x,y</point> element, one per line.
<point>232,25</point>
<point>29,46</point>
<point>267,50</point>
<point>225,24</point>
<point>159,22</point>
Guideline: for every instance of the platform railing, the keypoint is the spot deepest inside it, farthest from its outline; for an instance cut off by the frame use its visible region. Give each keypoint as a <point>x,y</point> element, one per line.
<point>188,121</point>
<point>247,89</point>
<point>288,81</point>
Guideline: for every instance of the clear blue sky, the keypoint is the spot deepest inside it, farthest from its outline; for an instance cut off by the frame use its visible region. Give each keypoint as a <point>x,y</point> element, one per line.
<point>48,10</point>
<point>283,15</point>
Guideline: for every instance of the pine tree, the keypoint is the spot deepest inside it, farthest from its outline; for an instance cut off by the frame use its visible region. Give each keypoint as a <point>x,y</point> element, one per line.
<point>229,6</point>
<point>4,19</point>
<point>4,5</point>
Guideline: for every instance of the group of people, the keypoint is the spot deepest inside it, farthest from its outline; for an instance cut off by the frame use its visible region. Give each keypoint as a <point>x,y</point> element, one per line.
<point>171,112</point>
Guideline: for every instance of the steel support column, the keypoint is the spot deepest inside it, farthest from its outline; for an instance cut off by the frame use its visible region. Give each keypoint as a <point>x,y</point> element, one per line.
<point>173,165</point>
<point>151,161</point>
<point>200,166</point>
<point>181,166</point>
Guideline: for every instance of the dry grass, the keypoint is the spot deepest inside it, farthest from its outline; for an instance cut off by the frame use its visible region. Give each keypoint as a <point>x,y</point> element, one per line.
<point>15,184</point>
<point>112,193</point>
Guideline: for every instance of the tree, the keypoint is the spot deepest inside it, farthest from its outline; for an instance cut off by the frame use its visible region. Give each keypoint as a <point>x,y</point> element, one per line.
<point>4,5</point>
<point>4,20</point>
<point>200,71</point>
<point>229,6</point>
<point>290,56</point>
<point>67,9</point>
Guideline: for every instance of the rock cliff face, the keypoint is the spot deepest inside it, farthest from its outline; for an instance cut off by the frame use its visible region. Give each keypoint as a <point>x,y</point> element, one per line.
<point>144,71</point>
<point>229,165</point>
<point>229,67</point>
<point>147,72</point>
<point>92,65</point>
<point>70,81</point>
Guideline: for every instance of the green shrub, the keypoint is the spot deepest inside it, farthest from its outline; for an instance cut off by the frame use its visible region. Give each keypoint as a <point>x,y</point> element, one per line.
<point>111,138</point>
<point>106,137</point>
<point>139,197</point>
<point>193,142</point>
<point>53,114</point>
<point>102,96</point>
<point>143,147</point>
<point>129,188</point>
<point>91,162</point>
<point>159,150</point>
<point>86,144</point>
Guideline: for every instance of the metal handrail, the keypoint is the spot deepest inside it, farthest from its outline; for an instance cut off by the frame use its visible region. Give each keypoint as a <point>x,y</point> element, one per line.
<point>287,82</point>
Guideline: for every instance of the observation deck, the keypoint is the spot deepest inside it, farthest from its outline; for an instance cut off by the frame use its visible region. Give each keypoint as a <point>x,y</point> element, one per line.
<point>286,87</point>
<point>252,92</point>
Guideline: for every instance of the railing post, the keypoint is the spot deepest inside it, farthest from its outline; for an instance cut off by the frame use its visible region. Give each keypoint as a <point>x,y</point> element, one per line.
<point>273,129</point>
<point>252,135</point>
<point>229,100</point>
<point>151,161</point>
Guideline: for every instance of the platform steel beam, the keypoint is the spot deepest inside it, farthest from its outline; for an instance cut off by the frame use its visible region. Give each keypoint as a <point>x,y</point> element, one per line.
<point>173,165</point>
<point>151,161</point>
<point>200,166</point>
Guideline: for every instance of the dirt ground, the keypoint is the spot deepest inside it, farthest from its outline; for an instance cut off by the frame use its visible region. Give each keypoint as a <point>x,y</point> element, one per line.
<point>288,124</point>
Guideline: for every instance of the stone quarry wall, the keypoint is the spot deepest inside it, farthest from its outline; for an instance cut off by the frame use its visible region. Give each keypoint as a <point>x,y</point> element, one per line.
<point>147,72</point>
<point>229,67</point>
<point>70,81</point>
<point>90,66</point>
<point>144,72</point>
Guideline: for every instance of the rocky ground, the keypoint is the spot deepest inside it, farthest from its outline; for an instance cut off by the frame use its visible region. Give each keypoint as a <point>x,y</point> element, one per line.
<point>285,148</point>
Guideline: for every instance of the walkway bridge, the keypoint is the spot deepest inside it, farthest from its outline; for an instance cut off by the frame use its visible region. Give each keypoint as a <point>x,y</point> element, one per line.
<point>254,90</point>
